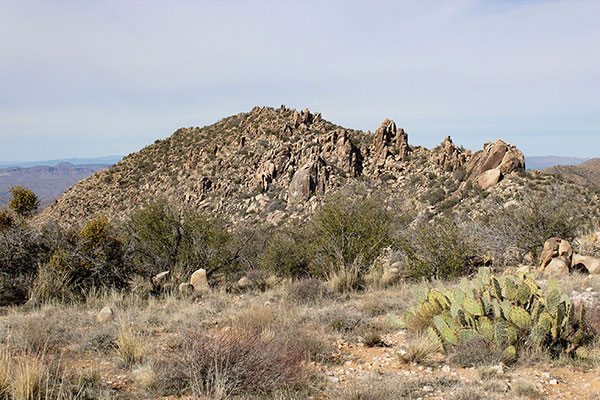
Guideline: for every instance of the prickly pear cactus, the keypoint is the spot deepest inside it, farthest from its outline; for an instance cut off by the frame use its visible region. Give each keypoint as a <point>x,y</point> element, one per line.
<point>506,312</point>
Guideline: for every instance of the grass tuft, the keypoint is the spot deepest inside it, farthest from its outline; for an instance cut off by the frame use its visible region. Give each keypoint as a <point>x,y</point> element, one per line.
<point>132,347</point>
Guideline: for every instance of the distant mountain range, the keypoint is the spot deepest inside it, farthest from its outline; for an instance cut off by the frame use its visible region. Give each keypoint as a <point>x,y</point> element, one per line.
<point>47,182</point>
<point>587,173</point>
<point>104,160</point>
<point>541,162</point>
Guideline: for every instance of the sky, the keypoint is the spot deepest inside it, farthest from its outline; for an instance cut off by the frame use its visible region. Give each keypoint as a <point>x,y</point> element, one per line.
<point>92,78</point>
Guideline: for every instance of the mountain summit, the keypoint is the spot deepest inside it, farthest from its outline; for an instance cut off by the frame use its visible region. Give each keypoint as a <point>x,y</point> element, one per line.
<point>272,164</point>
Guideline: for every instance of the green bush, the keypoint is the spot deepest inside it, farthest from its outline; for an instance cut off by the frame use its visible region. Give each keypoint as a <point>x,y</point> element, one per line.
<point>287,252</point>
<point>20,252</point>
<point>508,313</point>
<point>437,250</point>
<point>162,236</point>
<point>345,230</point>
<point>24,202</point>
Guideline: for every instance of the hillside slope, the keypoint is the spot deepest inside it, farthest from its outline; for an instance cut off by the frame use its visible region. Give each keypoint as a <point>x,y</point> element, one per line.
<point>587,173</point>
<point>271,165</point>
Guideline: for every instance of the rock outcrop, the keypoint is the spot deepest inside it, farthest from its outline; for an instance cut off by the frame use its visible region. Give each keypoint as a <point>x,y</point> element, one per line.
<point>558,258</point>
<point>586,264</point>
<point>500,156</point>
<point>310,178</point>
<point>388,141</point>
<point>452,157</point>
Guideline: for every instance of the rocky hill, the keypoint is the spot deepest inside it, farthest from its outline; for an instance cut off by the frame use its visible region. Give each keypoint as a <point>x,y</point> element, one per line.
<point>587,173</point>
<point>48,182</point>
<point>270,165</point>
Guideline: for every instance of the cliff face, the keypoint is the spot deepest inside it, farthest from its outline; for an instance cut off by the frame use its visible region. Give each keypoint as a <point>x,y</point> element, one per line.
<point>270,165</point>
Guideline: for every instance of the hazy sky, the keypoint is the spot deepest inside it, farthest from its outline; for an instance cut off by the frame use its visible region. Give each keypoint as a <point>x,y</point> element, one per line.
<point>88,78</point>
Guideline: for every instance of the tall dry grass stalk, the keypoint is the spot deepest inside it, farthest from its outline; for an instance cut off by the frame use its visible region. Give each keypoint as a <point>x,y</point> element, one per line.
<point>4,372</point>
<point>345,278</point>
<point>132,347</point>
<point>30,378</point>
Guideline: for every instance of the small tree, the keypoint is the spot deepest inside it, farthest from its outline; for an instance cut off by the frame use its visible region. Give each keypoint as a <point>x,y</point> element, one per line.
<point>163,236</point>
<point>347,230</point>
<point>24,202</point>
<point>438,250</point>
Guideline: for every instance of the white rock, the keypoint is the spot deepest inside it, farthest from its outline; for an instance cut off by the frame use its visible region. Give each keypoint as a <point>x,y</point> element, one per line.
<point>105,315</point>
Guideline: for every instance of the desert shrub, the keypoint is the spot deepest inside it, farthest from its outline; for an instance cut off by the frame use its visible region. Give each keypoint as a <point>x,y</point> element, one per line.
<point>161,237</point>
<point>52,281</point>
<point>510,314</point>
<point>437,250</point>
<point>474,352</point>
<point>373,339</point>
<point>434,195</point>
<point>23,201</point>
<point>7,220</point>
<point>344,322</point>
<point>155,234</point>
<point>308,291</point>
<point>510,232</point>
<point>13,290</point>
<point>79,261</point>
<point>96,232</point>
<point>20,252</point>
<point>229,363</point>
<point>348,232</point>
<point>288,252</point>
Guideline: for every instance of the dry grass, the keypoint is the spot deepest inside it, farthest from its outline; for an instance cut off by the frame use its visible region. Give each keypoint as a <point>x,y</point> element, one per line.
<point>527,389</point>
<point>145,377</point>
<point>256,318</point>
<point>132,347</point>
<point>45,331</point>
<point>4,372</point>
<point>308,291</point>
<point>29,378</point>
<point>420,349</point>
<point>345,278</point>
<point>474,353</point>
<point>229,363</point>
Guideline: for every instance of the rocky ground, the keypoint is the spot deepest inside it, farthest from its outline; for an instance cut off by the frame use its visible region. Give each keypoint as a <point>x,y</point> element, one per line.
<point>355,345</point>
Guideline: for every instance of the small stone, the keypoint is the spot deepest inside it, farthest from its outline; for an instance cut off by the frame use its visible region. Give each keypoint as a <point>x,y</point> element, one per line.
<point>244,283</point>
<point>199,281</point>
<point>105,315</point>
<point>553,382</point>
<point>160,279</point>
